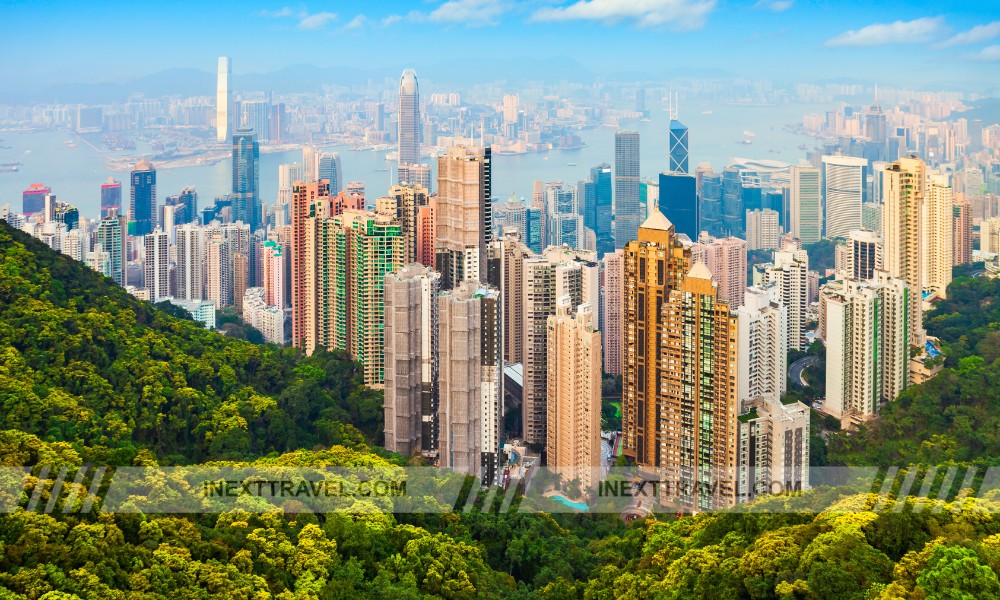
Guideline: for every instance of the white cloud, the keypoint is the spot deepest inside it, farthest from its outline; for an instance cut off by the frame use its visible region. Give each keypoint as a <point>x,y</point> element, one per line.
<point>356,22</point>
<point>987,54</point>
<point>276,14</point>
<point>315,21</point>
<point>976,35</point>
<point>682,14</point>
<point>391,19</point>
<point>774,5</point>
<point>898,32</point>
<point>469,12</point>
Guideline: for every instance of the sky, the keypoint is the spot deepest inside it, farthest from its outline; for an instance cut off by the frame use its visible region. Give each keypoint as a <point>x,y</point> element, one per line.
<point>913,42</point>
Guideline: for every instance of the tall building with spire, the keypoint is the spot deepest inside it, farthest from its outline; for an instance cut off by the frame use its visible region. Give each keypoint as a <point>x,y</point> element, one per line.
<point>875,129</point>
<point>223,100</point>
<point>626,193</point>
<point>409,122</point>
<point>678,143</point>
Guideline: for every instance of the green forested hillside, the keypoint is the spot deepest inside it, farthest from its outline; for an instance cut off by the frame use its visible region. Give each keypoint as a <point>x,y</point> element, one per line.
<point>91,376</point>
<point>82,361</point>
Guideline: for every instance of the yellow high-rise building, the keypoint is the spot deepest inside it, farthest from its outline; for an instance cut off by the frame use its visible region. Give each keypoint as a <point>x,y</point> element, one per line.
<point>654,265</point>
<point>573,432</point>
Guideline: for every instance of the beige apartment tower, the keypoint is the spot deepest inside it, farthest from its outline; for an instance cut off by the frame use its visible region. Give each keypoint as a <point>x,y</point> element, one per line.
<point>611,327</point>
<point>573,436</point>
<point>411,360</point>
<point>464,214</point>
<point>937,225</point>
<point>904,186</point>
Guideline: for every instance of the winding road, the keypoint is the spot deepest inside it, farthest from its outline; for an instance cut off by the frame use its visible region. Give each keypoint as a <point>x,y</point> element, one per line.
<point>795,369</point>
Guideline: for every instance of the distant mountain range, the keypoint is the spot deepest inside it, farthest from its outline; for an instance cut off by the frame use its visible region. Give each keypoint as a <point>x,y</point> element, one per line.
<point>298,78</point>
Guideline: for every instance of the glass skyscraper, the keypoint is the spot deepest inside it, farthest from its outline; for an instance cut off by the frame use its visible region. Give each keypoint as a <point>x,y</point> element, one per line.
<point>678,148</point>
<point>598,211</point>
<point>142,202</point>
<point>409,119</point>
<point>679,202</point>
<point>626,197</point>
<point>246,179</point>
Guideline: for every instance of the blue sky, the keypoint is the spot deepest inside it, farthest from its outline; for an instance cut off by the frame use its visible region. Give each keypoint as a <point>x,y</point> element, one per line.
<point>895,42</point>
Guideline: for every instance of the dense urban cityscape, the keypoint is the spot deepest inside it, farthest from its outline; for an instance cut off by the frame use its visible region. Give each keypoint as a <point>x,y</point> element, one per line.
<point>649,314</point>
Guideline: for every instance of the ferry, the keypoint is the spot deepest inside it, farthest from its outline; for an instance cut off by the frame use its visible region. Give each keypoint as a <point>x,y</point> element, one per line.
<point>570,164</point>
<point>10,167</point>
<point>749,134</point>
<point>707,112</point>
<point>803,147</point>
<point>745,141</point>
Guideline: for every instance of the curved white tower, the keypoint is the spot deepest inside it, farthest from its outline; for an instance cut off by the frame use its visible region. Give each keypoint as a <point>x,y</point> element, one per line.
<point>223,100</point>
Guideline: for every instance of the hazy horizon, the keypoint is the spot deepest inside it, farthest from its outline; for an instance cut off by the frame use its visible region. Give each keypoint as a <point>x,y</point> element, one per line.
<point>894,43</point>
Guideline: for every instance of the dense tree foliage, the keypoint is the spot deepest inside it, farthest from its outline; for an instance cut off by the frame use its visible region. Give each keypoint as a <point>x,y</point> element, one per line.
<point>90,375</point>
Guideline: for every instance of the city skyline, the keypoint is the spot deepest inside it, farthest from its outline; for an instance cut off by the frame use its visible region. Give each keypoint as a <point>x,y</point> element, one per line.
<point>943,44</point>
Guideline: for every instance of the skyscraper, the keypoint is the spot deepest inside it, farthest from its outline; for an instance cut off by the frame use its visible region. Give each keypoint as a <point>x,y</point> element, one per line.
<point>726,259</point>
<point>565,224</point>
<point>556,273</point>
<point>470,380</point>
<point>347,257</point>
<point>512,252</point>
<point>654,264</point>
<point>678,145</point>
<point>790,273</point>
<point>695,393</point>
<point>867,352</point>
<point>611,325</point>
<point>732,201</point>
<point>679,200</point>
<point>904,185</point>
<point>763,231</point>
<point>409,119</point>
<point>111,239</point>
<point>602,213</point>
<point>626,193</point>
<point>223,100</point>
<point>156,265</point>
<point>246,178</point>
<point>411,360</point>
<point>288,174</point>
<point>111,196</point>
<point>142,202</point>
<point>329,169</point>
<point>844,189</point>
<point>774,446</point>
<point>710,203</point>
<point>427,232</point>
<point>573,436</point>
<point>218,270</point>
<point>304,196</point>
<point>256,115</point>
<point>763,345</point>
<point>864,254</point>
<point>187,202</point>
<point>937,224</point>
<point>190,273</point>
<point>403,204</point>
<point>805,204</point>
<point>464,214</point>
<point>962,230</point>
<point>33,199</point>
